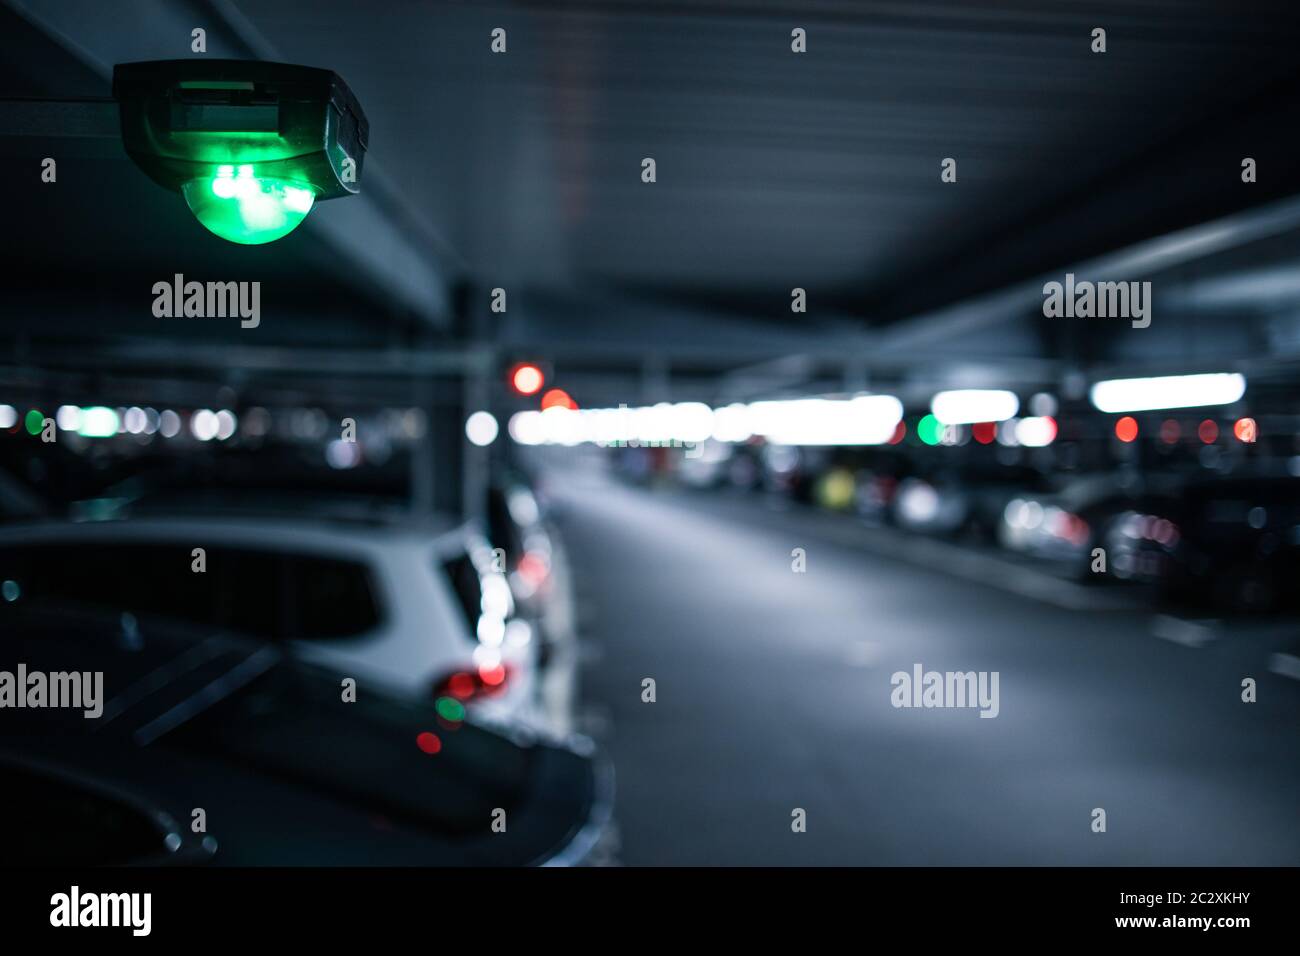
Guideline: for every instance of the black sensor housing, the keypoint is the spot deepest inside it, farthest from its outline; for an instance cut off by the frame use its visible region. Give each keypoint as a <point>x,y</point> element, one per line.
<point>181,119</point>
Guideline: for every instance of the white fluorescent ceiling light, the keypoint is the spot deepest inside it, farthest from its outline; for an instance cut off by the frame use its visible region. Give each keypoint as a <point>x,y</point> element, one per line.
<point>969,406</point>
<point>1169,391</point>
<point>865,420</point>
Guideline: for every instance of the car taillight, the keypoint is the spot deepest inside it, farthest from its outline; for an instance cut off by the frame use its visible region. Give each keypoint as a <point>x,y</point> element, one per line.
<point>531,573</point>
<point>474,684</point>
<point>1072,528</point>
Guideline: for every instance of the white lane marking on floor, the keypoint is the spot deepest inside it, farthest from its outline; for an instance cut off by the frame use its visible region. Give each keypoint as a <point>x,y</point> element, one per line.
<point>1288,665</point>
<point>1187,633</point>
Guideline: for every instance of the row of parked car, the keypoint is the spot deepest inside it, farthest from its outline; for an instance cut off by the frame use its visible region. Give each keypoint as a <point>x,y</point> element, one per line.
<point>1223,541</point>
<point>328,678</point>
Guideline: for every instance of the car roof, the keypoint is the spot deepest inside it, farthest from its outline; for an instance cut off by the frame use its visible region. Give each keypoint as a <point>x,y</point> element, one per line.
<point>289,502</point>
<point>1086,490</point>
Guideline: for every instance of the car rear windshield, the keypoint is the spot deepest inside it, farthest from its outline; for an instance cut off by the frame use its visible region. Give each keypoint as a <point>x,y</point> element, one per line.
<point>267,594</point>
<point>502,529</point>
<point>463,577</point>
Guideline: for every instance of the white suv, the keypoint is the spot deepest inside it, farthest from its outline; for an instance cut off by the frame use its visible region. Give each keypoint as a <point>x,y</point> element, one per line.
<point>415,607</point>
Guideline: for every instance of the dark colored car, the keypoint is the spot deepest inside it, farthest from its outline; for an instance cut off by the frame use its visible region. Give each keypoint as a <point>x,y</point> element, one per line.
<point>967,499</point>
<point>537,568</point>
<point>273,760</point>
<point>516,525</point>
<point>1116,512</point>
<point>1238,546</point>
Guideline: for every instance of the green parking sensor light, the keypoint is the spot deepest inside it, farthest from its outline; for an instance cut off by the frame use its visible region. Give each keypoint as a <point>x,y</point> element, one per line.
<point>251,146</point>
<point>248,208</point>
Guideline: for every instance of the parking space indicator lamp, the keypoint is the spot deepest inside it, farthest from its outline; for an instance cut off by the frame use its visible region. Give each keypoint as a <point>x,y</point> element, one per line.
<point>240,206</point>
<point>252,146</point>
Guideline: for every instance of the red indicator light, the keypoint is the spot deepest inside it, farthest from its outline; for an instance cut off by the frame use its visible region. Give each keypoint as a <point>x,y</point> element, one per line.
<point>533,569</point>
<point>428,742</point>
<point>1208,432</point>
<point>527,379</point>
<point>1126,429</point>
<point>461,686</point>
<point>558,398</point>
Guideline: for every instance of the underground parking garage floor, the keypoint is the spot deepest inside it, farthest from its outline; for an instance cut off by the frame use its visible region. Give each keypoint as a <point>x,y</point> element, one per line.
<point>772,692</point>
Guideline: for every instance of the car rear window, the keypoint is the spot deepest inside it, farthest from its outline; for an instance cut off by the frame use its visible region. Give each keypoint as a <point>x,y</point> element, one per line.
<point>502,529</point>
<point>266,594</point>
<point>331,598</point>
<point>464,579</point>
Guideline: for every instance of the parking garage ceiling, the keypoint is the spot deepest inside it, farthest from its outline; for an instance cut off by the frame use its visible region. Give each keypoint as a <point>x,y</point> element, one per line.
<point>774,170</point>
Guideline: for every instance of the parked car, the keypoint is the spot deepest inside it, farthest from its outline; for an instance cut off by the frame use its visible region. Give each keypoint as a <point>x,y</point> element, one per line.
<point>536,564</point>
<point>705,465</point>
<point>212,748</point>
<point>1238,543</point>
<point>527,542</point>
<point>790,471</point>
<point>878,473</point>
<point>1114,512</point>
<point>931,507</point>
<point>410,607</point>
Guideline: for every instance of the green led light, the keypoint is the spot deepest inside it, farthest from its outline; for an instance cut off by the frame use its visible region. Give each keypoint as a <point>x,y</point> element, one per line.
<point>240,206</point>
<point>449,708</point>
<point>34,421</point>
<point>229,146</point>
<point>929,430</point>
